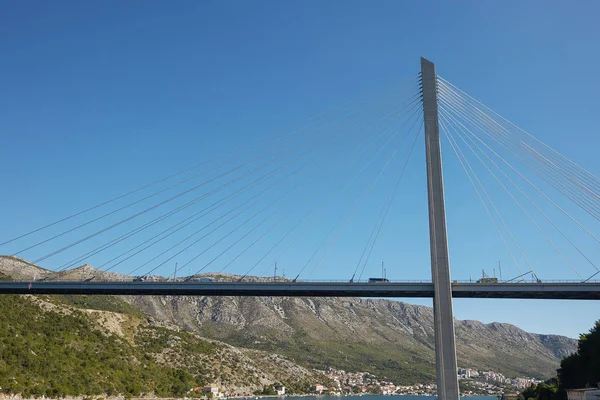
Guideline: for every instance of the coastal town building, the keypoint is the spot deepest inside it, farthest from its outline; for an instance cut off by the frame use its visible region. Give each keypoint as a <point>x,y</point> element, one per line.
<point>280,390</point>
<point>213,389</point>
<point>584,394</point>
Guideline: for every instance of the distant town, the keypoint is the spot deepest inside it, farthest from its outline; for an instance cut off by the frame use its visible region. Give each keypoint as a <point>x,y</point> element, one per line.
<point>340,382</point>
<point>473,382</point>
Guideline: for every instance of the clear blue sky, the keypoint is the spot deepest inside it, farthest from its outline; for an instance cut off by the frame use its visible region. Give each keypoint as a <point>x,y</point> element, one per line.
<point>98,98</point>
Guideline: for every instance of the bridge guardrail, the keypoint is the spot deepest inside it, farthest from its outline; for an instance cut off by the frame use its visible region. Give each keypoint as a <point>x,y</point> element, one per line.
<point>323,281</point>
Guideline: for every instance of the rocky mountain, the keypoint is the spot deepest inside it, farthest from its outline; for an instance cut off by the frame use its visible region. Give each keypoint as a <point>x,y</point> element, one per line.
<point>386,338</point>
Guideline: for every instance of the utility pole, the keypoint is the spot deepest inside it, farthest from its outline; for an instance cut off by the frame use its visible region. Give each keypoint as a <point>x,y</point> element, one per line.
<point>175,273</point>
<point>500,271</point>
<point>443,319</point>
<point>275,272</point>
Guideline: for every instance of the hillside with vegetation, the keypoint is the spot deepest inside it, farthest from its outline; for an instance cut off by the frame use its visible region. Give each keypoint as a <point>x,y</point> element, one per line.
<point>579,370</point>
<point>582,368</point>
<point>57,346</point>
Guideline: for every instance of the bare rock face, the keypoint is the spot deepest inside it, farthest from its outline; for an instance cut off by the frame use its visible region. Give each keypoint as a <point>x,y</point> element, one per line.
<point>335,329</point>
<point>19,269</point>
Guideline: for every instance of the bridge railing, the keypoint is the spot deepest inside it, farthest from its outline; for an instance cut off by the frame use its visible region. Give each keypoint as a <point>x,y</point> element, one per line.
<point>221,280</point>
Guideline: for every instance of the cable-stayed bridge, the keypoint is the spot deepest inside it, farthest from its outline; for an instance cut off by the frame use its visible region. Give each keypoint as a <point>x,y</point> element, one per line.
<point>298,192</point>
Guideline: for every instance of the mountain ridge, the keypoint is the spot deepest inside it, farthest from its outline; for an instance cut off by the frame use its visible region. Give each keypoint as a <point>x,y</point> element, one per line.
<point>383,337</point>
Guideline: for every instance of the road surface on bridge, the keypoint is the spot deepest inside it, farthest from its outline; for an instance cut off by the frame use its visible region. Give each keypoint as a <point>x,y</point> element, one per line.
<point>554,290</point>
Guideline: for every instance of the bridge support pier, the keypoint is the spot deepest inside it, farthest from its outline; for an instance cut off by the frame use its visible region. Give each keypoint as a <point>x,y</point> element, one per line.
<point>445,345</point>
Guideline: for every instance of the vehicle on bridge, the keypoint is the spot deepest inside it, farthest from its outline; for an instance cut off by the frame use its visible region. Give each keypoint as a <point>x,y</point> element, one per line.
<point>487,280</point>
<point>378,280</point>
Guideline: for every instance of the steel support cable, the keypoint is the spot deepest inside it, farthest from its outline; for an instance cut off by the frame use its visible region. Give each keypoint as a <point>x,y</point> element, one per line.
<point>231,232</point>
<point>464,162</point>
<point>317,205</point>
<point>593,179</point>
<point>245,146</point>
<point>387,202</point>
<point>549,163</point>
<point>206,235</point>
<point>332,243</point>
<point>496,227</point>
<point>158,219</point>
<point>469,135</point>
<point>584,174</point>
<point>231,246</point>
<point>563,171</point>
<point>526,159</point>
<point>583,203</point>
<point>232,170</point>
<point>536,188</point>
<point>253,243</point>
<point>214,206</point>
<point>591,202</point>
<point>561,188</point>
<point>362,200</point>
<point>227,235</point>
<point>273,226</point>
<point>312,222</point>
<point>247,207</point>
<point>569,184</point>
<point>145,211</point>
<point>343,189</point>
<point>387,207</point>
<point>254,183</point>
<point>564,257</point>
<point>196,240</point>
<point>525,178</point>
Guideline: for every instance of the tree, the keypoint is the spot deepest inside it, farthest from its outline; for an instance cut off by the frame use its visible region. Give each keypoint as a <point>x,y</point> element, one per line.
<point>582,369</point>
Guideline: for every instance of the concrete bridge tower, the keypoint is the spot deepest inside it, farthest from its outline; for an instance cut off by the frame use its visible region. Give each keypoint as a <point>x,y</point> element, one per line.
<point>445,345</point>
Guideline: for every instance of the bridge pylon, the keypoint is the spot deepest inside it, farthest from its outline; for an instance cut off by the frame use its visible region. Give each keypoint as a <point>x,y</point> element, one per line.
<point>445,344</point>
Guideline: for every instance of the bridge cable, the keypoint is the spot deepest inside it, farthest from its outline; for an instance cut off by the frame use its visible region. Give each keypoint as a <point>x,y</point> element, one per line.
<point>476,123</point>
<point>584,174</point>
<point>343,189</point>
<point>179,209</point>
<point>273,185</point>
<point>559,186</point>
<point>238,240</point>
<point>537,157</point>
<point>333,241</point>
<point>348,220</point>
<point>470,135</point>
<point>187,169</point>
<point>387,208</point>
<point>146,210</point>
<point>187,248</point>
<point>312,210</point>
<point>164,190</point>
<point>520,205</point>
<point>464,162</point>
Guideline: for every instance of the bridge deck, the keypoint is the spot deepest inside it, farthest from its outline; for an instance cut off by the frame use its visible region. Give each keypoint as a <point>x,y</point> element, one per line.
<point>584,291</point>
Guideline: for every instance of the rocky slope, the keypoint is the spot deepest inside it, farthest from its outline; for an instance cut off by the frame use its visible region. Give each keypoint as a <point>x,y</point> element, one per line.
<point>69,346</point>
<point>384,337</point>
